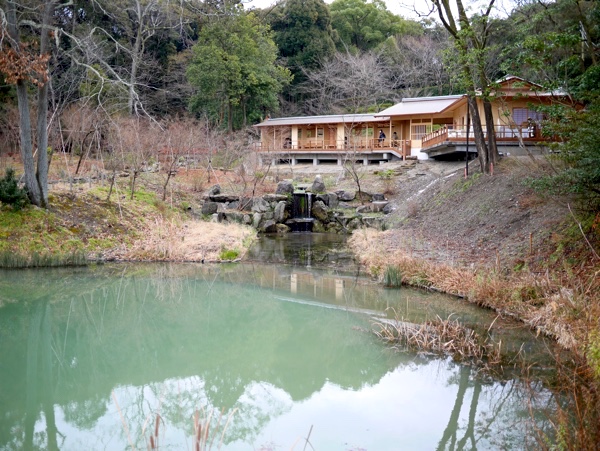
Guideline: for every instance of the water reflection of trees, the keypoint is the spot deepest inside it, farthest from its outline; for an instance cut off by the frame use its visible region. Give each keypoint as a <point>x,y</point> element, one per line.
<point>130,332</point>
<point>507,412</point>
<point>86,336</point>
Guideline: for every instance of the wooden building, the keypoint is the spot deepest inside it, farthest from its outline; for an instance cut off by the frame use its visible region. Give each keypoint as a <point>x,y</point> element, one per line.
<point>420,127</point>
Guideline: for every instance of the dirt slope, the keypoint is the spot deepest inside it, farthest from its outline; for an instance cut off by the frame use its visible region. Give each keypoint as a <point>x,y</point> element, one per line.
<point>440,215</point>
<point>482,219</point>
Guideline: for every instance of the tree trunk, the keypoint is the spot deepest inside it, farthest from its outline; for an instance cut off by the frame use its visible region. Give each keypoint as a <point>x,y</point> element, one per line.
<point>482,150</point>
<point>230,117</point>
<point>33,189</point>
<point>135,57</point>
<point>492,147</point>
<point>42,112</point>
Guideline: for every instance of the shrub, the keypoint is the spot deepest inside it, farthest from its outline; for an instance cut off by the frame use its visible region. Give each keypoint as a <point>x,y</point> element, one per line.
<point>229,254</point>
<point>10,192</point>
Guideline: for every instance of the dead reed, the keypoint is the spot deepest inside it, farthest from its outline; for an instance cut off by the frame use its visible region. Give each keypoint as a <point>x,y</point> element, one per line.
<point>11,259</point>
<point>439,336</point>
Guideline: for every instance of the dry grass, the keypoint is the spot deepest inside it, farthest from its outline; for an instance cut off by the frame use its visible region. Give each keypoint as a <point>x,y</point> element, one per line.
<point>441,337</point>
<point>563,308</point>
<point>206,240</point>
<point>191,241</point>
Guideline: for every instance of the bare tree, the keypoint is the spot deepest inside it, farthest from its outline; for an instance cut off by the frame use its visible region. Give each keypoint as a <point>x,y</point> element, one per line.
<point>470,36</point>
<point>184,141</point>
<point>137,140</point>
<point>348,83</point>
<point>417,64</point>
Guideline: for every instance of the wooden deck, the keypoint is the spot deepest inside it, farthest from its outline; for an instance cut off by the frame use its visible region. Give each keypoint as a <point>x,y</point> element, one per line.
<point>379,152</point>
<point>449,140</point>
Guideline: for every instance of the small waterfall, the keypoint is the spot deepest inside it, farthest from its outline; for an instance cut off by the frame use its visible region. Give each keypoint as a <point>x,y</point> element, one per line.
<point>301,210</point>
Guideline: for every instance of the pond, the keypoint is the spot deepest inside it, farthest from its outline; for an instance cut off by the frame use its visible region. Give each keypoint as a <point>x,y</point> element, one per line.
<point>95,357</point>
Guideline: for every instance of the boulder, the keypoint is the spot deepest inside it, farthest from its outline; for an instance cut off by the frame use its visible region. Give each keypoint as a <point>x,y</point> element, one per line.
<point>318,185</point>
<point>320,211</point>
<point>223,198</point>
<point>354,224</point>
<point>234,216</point>
<point>214,190</point>
<point>346,196</point>
<point>275,197</point>
<point>279,213</point>
<point>282,229</point>
<point>259,205</point>
<point>329,199</point>
<point>378,197</point>
<point>364,196</point>
<point>377,206</point>
<point>209,208</point>
<point>269,226</point>
<point>256,218</point>
<point>285,187</point>
<point>388,209</point>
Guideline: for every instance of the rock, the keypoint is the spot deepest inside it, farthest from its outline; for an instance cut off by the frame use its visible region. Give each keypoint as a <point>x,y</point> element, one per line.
<point>320,211</point>
<point>209,208</point>
<point>285,187</point>
<point>329,199</point>
<point>388,209</point>
<point>354,224</point>
<point>259,205</point>
<point>378,206</point>
<point>275,197</point>
<point>279,213</point>
<point>345,196</point>
<point>223,198</point>
<point>333,227</point>
<point>364,209</point>
<point>378,197</point>
<point>364,196</point>
<point>214,190</point>
<point>318,185</point>
<point>376,223</point>
<point>256,218</point>
<point>282,229</point>
<point>269,226</point>
<point>235,216</point>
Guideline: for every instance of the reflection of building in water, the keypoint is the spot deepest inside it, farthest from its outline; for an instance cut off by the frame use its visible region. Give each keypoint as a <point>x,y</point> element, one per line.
<point>313,285</point>
<point>294,283</point>
<point>339,289</point>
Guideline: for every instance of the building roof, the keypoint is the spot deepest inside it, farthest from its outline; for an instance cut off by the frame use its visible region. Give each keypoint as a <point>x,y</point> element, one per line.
<point>330,119</point>
<point>421,105</point>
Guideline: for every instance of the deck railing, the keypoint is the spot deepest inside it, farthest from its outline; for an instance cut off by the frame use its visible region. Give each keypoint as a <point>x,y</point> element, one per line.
<point>339,146</point>
<point>503,133</point>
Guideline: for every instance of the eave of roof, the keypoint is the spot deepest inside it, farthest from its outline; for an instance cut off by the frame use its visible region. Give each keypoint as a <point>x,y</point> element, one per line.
<point>329,119</point>
<point>421,105</point>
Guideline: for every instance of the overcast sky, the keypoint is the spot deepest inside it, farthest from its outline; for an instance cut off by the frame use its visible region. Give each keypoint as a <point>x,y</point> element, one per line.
<point>392,5</point>
<point>406,8</point>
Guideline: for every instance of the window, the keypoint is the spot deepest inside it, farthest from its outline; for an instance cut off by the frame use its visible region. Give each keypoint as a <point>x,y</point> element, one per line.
<point>418,131</point>
<point>522,115</point>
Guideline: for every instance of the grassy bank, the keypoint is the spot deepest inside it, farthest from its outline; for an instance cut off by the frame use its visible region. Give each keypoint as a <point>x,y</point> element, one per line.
<point>83,227</point>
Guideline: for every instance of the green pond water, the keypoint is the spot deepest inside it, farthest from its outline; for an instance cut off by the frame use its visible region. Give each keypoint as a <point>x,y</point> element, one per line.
<point>90,356</point>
